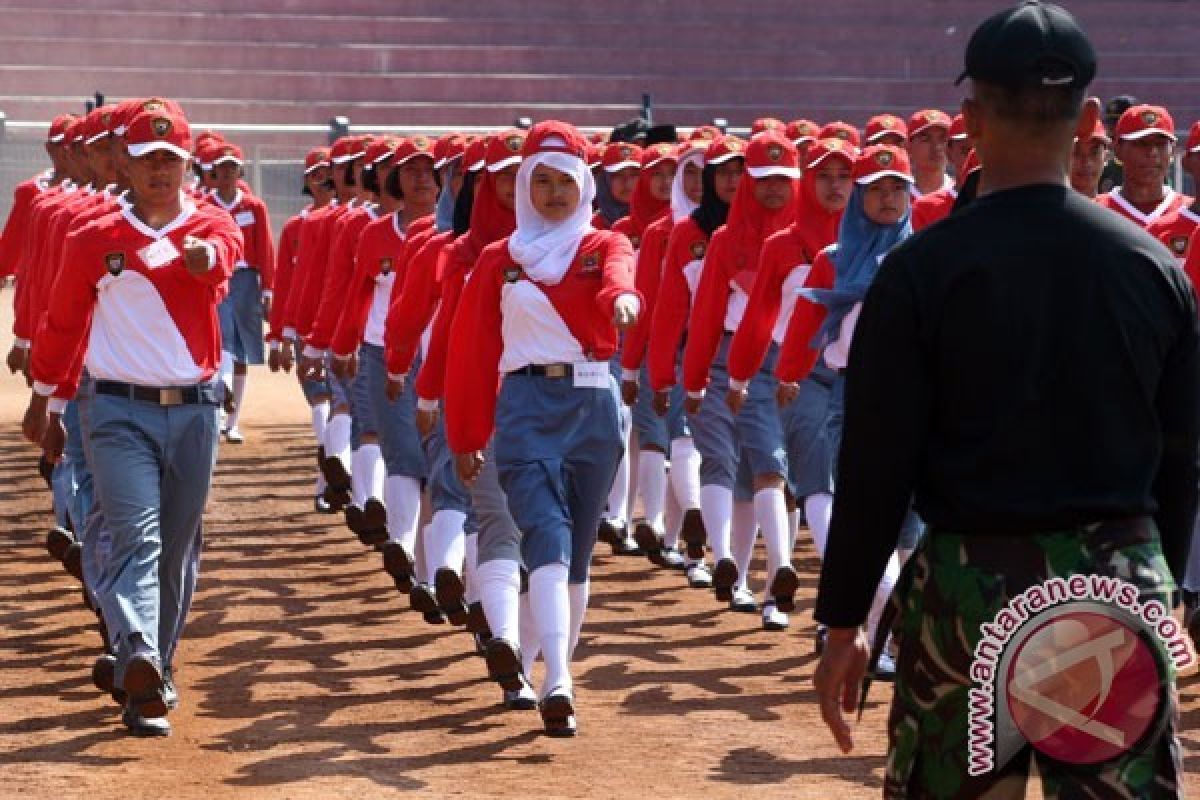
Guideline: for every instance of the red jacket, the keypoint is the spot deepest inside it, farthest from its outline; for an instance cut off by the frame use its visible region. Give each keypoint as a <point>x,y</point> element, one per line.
<point>412,309</point>
<point>378,263</point>
<point>796,356</point>
<point>684,259</point>
<point>250,214</point>
<point>338,272</point>
<point>1175,230</point>
<point>285,270</point>
<point>648,277</point>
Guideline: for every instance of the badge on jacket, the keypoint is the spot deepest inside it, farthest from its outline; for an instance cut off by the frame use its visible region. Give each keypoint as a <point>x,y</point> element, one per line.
<point>114,263</point>
<point>513,274</point>
<point>591,263</point>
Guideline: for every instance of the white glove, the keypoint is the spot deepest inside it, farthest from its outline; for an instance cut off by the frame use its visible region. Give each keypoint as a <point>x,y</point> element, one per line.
<point>625,311</point>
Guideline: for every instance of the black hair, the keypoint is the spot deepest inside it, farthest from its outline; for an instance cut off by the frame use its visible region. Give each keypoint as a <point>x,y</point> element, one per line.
<point>392,184</point>
<point>1035,106</point>
<point>712,211</point>
<point>463,203</point>
<point>349,173</point>
<point>370,179</point>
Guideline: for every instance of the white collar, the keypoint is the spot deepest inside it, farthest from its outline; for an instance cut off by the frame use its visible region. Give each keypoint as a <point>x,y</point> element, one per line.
<point>1144,219</point>
<point>187,209</point>
<point>237,199</point>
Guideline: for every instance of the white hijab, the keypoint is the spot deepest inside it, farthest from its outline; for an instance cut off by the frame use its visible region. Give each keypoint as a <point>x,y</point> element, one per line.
<point>546,249</point>
<point>682,205</point>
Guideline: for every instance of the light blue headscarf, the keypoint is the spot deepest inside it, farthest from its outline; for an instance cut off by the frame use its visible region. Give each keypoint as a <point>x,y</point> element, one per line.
<point>444,213</point>
<point>861,246</point>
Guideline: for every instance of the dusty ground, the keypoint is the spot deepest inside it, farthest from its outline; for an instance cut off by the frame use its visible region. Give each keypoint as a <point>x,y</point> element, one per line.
<point>304,674</point>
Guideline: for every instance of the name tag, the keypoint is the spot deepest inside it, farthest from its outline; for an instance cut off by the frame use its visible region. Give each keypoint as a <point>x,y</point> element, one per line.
<point>591,374</point>
<point>244,218</point>
<point>158,254</point>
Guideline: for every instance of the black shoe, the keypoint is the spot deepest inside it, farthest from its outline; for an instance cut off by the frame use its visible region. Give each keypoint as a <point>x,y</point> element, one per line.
<point>45,468</point>
<point>142,726</point>
<point>503,660</point>
<point>57,542</point>
<point>423,601</point>
<point>449,591</point>
<point>73,561</point>
<point>819,638</point>
<point>477,621</point>
<point>558,714</point>
<point>374,520</point>
<point>143,683</point>
<point>335,474</point>
<point>725,577</point>
<point>170,692</point>
<point>320,455</point>
<point>694,534</point>
<point>650,543</point>
<point>398,563</point>
<point>783,588</point>
<point>625,545</point>
<point>607,532</point>
<point>523,699</point>
<point>336,499</point>
<point>354,519</point>
<point>321,505</point>
<point>104,677</point>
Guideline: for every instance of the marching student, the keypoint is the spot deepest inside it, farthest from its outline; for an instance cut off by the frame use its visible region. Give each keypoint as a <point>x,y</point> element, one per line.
<point>249,299</point>
<point>886,129</point>
<point>152,428</point>
<point>1145,137</point>
<point>1089,154</point>
<point>928,135</point>
<point>1175,229</point>
<point>802,132</point>
<point>540,316</point>
<point>840,130</point>
<point>616,182</point>
<point>936,206</point>
<point>743,450</point>
<point>724,164</point>
<point>958,147</point>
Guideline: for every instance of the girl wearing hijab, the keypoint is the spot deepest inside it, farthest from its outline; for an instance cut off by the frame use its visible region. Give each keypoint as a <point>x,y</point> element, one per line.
<point>784,265</point>
<point>619,166</point>
<point>658,534</point>
<point>876,219</point>
<point>541,314</point>
<point>743,448</point>
<point>724,164</point>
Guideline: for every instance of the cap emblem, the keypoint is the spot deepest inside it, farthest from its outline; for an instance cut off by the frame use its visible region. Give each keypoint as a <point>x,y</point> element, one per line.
<point>162,127</point>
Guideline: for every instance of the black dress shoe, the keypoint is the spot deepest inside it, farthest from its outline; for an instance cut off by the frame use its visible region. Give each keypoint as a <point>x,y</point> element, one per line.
<point>398,563</point>
<point>423,601</point>
<point>477,621</point>
<point>650,543</point>
<point>73,561</point>
<point>45,468</point>
<point>558,714</point>
<point>503,659</point>
<point>321,505</point>
<point>354,519</point>
<point>607,532</point>
<point>694,534</point>
<point>336,499</point>
<point>374,521</point>
<point>625,544</point>
<point>449,591</point>
<point>57,542</point>
<point>143,683</point>
<point>725,577</point>
<point>335,473</point>
<point>783,588</point>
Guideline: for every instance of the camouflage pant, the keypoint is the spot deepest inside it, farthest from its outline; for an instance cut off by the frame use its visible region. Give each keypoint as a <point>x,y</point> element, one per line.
<point>953,584</point>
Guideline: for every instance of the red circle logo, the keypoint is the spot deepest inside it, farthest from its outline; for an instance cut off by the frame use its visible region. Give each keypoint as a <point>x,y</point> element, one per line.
<point>1084,688</point>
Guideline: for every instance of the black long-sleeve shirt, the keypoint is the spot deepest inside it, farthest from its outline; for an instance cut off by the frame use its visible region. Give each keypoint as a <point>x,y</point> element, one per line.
<point>1029,364</point>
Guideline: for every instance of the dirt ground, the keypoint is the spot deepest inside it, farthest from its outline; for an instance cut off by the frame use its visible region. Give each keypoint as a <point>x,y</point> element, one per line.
<point>304,674</point>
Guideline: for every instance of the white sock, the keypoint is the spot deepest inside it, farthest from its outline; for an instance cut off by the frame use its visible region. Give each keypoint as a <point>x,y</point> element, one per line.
<point>551,606</point>
<point>883,593</point>
<point>470,568</point>
<point>445,547</point>
<point>770,511</point>
<point>652,486</point>
<point>618,495</point>
<point>673,519</point>
<point>337,438</point>
<point>402,498</point>
<point>818,508</point>
<point>685,472</point>
<point>421,571</point>
<point>320,420</point>
<point>225,371</point>
<point>744,533</point>
<point>793,528</point>
<point>527,631</point>
<point>578,594</point>
<point>716,509</point>
<point>500,592</point>
<point>376,470</point>
<point>358,475</point>
<point>635,456</point>
<point>239,394</point>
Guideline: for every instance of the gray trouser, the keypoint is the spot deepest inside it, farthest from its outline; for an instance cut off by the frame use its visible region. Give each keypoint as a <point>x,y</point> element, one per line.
<point>499,539</point>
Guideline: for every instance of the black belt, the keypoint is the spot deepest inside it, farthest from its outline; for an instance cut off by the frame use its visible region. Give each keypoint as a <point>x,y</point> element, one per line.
<point>165,396</point>
<point>547,370</point>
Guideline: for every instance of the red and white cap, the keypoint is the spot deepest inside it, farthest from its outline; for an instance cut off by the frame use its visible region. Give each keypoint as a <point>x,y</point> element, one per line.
<point>381,149</point>
<point>159,130</point>
<point>767,124</point>
<point>98,123</point>
<point>128,109</point>
<point>551,136</point>
<point>882,161</point>
<point>840,130</point>
<point>882,125</point>
<point>621,155</point>
<point>346,149</point>
<point>772,153</point>
<point>227,152</point>
<point>928,118</point>
<point>317,157</point>
<point>504,149</point>
<point>723,149</point>
<point>958,127</point>
<point>704,133</point>
<point>473,157</point>
<point>802,130</point>
<point>419,146</point>
<point>1193,140</point>
<point>823,149</point>
<point>1138,122</point>
<point>655,153</point>
<point>74,133</point>
<point>58,128</point>
<point>595,155</point>
<point>448,147</point>
<point>1098,132</point>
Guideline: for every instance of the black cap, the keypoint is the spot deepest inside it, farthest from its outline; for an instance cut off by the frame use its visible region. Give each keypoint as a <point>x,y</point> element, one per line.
<point>1119,105</point>
<point>1033,44</point>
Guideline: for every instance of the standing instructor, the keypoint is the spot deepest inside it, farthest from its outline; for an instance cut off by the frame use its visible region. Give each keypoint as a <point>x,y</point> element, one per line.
<point>1027,369</point>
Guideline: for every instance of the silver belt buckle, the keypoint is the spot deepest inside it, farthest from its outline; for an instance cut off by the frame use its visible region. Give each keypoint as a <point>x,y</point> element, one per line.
<point>556,370</point>
<point>170,397</point>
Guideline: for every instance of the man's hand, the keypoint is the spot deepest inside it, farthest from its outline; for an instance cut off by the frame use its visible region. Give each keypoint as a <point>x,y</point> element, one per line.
<point>468,466</point>
<point>625,312</point>
<point>839,678</point>
<point>786,393</point>
<point>33,426</point>
<point>195,255</point>
<point>426,421</point>
<point>629,392</point>
<point>346,368</point>
<point>735,399</point>
<point>17,358</point>
<point>394,389</point>
<point>54,440</point>
<point>692,404</point>
<point>662,403</point>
